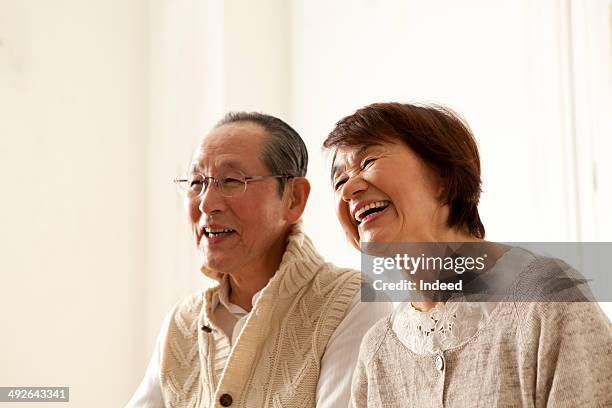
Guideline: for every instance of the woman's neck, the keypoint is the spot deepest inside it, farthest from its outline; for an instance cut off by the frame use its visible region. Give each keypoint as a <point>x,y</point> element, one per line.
<point>449,235</point>
<point>425,305</point>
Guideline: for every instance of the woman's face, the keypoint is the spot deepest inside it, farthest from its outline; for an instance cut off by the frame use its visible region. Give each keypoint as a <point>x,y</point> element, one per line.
<point>386,193</point>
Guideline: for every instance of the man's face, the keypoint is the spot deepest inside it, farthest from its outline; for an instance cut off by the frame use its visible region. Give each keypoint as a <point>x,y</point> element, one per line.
<point>255,218</point>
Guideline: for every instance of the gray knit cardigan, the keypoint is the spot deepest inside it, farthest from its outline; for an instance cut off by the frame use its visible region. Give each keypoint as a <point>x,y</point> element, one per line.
<point>528,354</point>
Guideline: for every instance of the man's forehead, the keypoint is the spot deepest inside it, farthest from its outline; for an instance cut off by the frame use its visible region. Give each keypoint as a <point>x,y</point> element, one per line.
<point>230,146</point>
<point>246,135</point>
<point>247,159</point>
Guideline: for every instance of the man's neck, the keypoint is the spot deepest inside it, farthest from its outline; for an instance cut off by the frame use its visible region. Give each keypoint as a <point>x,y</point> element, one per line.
<point>242,290</point>
<point>244,284</point>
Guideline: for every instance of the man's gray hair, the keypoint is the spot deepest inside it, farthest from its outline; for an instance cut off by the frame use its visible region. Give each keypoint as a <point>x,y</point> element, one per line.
<point>284,152</point>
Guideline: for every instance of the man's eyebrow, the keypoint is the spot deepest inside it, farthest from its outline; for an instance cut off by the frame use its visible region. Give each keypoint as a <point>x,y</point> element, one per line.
<point>231,164</point>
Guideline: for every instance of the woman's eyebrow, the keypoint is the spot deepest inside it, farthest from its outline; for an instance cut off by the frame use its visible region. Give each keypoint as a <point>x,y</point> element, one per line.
<point>335,169</point>
<point>360,152</point>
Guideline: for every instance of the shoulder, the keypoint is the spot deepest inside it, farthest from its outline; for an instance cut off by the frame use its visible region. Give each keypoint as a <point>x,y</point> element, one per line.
<point>184,316</point>
<point>339,272</point>
<point>582,317</point>
<point>190,304</point>
<point>191,301</point>
<point>335,278</point>
<point>545,279</point>
<point>373,340</point>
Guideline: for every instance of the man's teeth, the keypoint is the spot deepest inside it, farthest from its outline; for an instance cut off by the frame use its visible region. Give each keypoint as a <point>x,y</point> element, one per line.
<point>215,232</point>
<point>359,215</point>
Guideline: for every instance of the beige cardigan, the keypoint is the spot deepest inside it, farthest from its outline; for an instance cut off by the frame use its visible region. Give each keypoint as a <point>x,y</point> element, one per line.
<point>528,354</point>
<point>276,359</point>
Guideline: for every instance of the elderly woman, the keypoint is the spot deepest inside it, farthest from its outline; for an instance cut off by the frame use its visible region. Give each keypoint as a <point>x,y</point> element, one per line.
<point>411,174</point>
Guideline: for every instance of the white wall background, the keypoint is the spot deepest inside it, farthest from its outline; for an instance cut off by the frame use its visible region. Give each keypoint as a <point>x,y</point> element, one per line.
<point>102,102</point>
<point>73,127</point>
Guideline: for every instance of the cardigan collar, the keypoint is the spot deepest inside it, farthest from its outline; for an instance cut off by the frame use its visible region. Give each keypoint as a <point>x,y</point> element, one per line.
<point>299,264</point>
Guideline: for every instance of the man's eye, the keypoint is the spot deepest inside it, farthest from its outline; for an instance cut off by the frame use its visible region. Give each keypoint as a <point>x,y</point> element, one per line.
<point>195,183</point>
<point>232,182</point>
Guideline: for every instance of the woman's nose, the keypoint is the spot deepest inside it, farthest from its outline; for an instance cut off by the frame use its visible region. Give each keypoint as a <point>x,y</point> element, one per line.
<point>353,186</point>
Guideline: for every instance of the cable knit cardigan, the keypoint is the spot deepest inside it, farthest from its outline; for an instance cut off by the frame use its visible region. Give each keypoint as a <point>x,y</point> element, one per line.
<point>276,359</point>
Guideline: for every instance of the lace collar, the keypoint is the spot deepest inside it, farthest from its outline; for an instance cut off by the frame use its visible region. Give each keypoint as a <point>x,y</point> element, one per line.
<point>451,324</point>
<point>441,328</point>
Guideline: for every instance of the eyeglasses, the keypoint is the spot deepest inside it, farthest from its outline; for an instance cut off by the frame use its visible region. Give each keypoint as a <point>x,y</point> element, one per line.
<point>229,185</point>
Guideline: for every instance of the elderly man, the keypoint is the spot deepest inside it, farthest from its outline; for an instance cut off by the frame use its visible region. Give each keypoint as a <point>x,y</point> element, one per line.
<point>283,327</point>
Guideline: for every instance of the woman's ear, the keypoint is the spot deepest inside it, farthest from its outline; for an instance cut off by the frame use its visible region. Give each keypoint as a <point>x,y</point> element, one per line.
<point>437,180</point>
<point>298,191</point>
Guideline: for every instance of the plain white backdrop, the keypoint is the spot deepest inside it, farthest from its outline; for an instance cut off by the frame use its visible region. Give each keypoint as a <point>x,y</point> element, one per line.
<point>102,103</point>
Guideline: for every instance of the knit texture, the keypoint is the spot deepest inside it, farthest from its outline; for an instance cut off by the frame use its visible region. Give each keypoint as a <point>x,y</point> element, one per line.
<point>528,354</point>
<point>275,360</point>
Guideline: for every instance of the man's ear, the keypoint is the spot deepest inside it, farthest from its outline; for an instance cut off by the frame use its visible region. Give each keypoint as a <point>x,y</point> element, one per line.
<point>298,190</point>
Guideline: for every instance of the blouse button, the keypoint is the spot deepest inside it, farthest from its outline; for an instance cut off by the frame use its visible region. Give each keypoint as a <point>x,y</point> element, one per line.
<point>439,363</point>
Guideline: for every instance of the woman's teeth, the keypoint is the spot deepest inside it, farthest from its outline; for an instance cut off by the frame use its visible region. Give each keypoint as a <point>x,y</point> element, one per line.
<point>370,209</point>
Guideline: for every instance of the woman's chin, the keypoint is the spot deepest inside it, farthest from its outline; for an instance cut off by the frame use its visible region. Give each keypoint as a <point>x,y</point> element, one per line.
<point>374,236</point>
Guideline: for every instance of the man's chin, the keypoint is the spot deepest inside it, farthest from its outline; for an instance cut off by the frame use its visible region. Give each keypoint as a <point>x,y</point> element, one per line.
<point>211,273</point>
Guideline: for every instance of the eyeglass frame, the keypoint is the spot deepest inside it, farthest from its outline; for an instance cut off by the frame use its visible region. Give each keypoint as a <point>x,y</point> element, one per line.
<point>217,182</point>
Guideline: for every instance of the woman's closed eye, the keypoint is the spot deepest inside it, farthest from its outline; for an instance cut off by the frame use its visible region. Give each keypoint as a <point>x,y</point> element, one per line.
<point>368,162</point>
<point>339,183</point>
<point>365,164</point>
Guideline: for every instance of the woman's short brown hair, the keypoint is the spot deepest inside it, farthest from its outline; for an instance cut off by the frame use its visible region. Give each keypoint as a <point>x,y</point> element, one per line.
<point>439,136</point>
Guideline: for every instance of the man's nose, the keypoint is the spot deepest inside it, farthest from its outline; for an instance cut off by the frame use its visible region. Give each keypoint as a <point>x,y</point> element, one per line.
<point>211,201</point>
<point>353,186</point>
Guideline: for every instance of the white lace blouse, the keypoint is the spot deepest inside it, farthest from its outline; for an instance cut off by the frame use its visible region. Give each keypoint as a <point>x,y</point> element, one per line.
<point>451,324</point>
<point>441,328</point>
